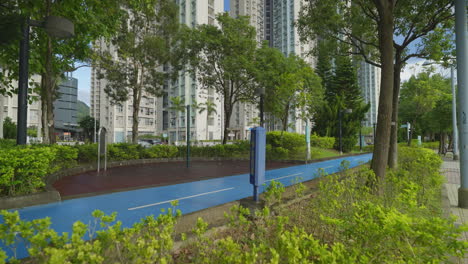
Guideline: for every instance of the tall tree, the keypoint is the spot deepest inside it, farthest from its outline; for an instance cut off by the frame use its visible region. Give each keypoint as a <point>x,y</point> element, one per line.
<point>423,28</point>
<point>222,58</point>
<point>178,106</point>
<point>342,92</point>
<point>210,108</point>
<point>50,57</point>
<point>138,60</point>
<point>89,125</point>
<point>289,84</point>
<point>425,103</point>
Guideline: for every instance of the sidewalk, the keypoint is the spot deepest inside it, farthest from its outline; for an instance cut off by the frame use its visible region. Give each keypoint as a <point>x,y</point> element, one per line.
<point>451,170</point>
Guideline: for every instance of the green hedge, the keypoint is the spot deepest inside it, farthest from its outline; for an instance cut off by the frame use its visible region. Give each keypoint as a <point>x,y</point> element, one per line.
<point>24,168</point>
<point>322,142</point>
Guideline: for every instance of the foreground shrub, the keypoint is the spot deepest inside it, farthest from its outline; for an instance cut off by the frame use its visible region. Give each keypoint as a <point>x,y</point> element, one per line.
<point>344,223</point>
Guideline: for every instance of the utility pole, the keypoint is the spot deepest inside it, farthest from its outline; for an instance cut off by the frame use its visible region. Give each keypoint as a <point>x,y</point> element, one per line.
<point>462,74</point>
<point>454,113</point>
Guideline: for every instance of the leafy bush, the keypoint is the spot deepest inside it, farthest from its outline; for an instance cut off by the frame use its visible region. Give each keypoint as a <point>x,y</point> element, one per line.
<point>160,151</point>
<point>292,142</point>
<point>349,143</point>
<point>124,151</point>
<point>430,145</point>
<point>346,222</point>
<point>23,169</point>
<point>277,153</point>
<point>7,143</point>
<point>87,153</point>
<point>65,157</point>
<point>322,142</point>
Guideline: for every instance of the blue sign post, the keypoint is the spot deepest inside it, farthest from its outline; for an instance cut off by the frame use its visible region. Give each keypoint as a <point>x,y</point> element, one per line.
<point>257,159</point>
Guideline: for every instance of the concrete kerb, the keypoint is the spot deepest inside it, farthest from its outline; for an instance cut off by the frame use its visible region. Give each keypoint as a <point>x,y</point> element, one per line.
<point>51,195</point>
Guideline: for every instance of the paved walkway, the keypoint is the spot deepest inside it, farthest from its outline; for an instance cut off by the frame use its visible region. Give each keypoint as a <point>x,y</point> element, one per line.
<point>451,170</point>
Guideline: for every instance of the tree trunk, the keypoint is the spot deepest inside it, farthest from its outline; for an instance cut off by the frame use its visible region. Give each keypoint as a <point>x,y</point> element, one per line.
<point>207,117</point>
<point>410,134</point>
<point>227,118</point>
<point>136,113</point>
<point>381,147</point>
<point>48,95</point>
<point>284,120</point>
<point>393,151</point>
<point>45,128</point>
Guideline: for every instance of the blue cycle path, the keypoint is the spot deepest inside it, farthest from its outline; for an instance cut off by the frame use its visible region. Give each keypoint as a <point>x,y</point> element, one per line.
<point>131,206</point>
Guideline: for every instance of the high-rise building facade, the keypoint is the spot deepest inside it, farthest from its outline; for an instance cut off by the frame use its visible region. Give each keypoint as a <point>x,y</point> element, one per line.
<point>156,114</point>
<point>281,33</point>
<point>187,87</point>
<point>65,108</point>
<point>9,108</point>
<point>255,9</point>
<point>369,82</point>
<point>118,118</point>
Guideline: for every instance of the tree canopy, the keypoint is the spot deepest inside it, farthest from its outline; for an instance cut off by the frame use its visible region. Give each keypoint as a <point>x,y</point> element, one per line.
<point>143,55</point>
<point>222,58</point>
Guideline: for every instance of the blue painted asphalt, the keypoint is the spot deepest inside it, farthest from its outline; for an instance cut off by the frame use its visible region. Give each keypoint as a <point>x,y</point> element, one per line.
<point>131,206</point>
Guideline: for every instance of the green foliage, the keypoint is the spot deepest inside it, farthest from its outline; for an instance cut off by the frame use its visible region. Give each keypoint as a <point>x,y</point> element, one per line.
<point>87,153</point>
<point>7,143</point>
<point>9,128</point>
<point>342,92</point>
<point>160,151</point>
<point>426,102</point>
<point>288,83</point>
<point>286,140</point>
<point>227,49</point>
<point>89,125</point>
<point>148,39</point>
<point>346,222</point>
<point>322,142</point>
<point>23,169</point>
<point>124,151</point>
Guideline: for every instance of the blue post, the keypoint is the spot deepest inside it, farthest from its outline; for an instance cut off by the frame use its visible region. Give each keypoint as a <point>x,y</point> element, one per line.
<point>257,159</point>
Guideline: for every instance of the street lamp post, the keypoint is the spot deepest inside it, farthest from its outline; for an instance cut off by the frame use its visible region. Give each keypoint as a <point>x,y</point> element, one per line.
<point>340,116</point>
<point>360,137</point>
<point>462,74</point>
<point>454,113</point>
<point>55,27</point>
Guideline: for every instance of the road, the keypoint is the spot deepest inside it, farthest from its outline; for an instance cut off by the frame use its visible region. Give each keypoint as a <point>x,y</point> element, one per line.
<point>133,205</point>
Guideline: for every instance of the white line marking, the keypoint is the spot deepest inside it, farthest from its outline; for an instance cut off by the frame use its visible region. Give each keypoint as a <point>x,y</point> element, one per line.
<point>328,167</point>
<point>287,176</point>
<point>183,198</point>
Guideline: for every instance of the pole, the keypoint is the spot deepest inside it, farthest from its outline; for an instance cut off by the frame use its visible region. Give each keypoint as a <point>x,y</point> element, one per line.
<point>308,139</point>
<point>341,143</point>
<point>188,136</point>
<point>261,109</point>
<point>23,85</point>
<point>454,113</point>
<point>462,74</point>
<point>360,137</point>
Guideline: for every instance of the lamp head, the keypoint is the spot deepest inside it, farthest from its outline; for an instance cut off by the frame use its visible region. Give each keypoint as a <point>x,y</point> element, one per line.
<point>59,27</point>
